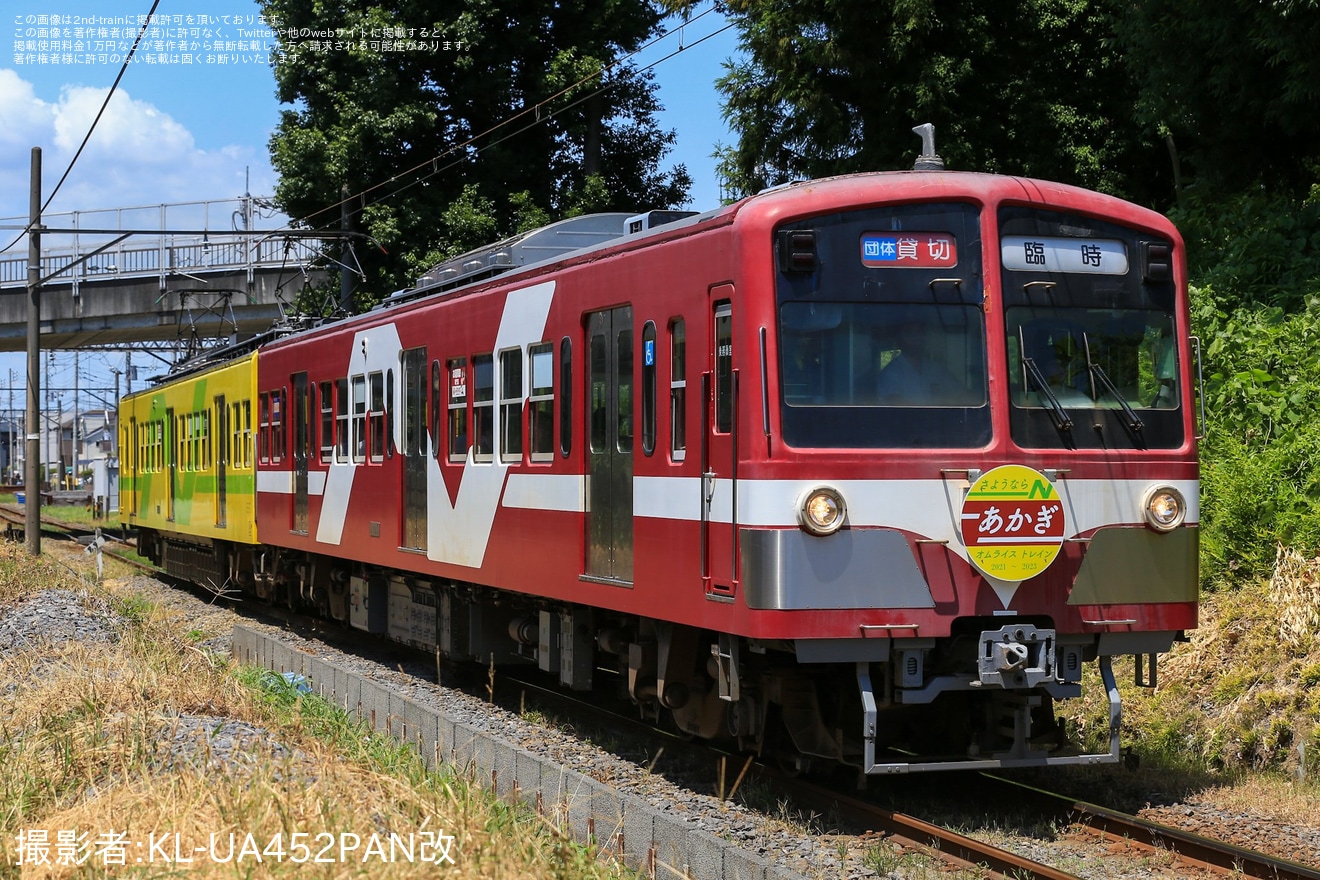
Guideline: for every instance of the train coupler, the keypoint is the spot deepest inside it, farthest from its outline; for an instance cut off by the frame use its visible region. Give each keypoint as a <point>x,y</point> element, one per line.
<point>1016,657</point>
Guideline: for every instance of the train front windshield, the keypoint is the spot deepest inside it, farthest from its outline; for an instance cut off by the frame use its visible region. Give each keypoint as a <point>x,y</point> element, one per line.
<point>883,334</point>
<point>883,342</point>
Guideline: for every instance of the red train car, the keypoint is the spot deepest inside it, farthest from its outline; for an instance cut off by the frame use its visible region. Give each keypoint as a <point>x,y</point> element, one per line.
<point>865,469</point>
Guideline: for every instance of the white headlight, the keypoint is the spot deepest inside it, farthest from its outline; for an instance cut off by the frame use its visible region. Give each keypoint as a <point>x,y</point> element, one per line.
<point>822,511</point>
<point>1164,508</point>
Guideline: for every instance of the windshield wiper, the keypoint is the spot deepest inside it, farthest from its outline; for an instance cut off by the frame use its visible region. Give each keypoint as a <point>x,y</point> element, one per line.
<point>1057,412</point>
<point>1134,420</point>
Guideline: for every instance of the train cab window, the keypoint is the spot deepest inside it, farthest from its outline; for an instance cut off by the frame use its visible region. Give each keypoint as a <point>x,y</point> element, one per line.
<point>882,336</point>
<point>677,390</point>
<point>359,446</point>
<point>511,405</point>
<point>457,431</point>
<point>376,417</point>
<point>565,396</point>
<point>648,388</point>
<point>327,405</point>
<point>542,401</point>
<point>483,407</point>
<point>1103,342</point>
<point>342,433</point>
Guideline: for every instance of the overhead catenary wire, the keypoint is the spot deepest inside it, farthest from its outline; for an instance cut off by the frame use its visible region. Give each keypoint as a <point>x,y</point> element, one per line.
<point>535,110</point>
<point>87,137</point>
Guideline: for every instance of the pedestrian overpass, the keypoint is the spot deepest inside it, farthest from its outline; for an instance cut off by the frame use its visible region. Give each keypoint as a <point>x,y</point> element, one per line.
<point>187,275</point>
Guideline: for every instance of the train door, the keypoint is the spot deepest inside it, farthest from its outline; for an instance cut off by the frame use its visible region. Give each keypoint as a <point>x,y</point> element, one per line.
<point>414,448</point>
<point>609,446</point>
<point>719,477</point>
<point>220,443</point>
<point>302,444</point>
<point>171,462</point>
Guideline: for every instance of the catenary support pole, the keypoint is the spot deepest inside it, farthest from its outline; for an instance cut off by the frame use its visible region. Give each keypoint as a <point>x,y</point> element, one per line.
<point>32,478</point>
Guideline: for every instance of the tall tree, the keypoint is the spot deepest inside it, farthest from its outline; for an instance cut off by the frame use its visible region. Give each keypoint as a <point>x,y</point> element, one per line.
<point>1013,86</point>
<point>447,123</point>
<point>1233,84</point>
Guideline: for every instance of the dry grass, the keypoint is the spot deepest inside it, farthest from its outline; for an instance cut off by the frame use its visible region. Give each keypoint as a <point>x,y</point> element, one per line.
<point>90,745</point>
<point>1244,692</point>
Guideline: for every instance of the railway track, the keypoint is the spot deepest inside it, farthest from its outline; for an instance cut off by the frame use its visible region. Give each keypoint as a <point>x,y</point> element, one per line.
<point>1191,849</point>
<point>1195,853</point>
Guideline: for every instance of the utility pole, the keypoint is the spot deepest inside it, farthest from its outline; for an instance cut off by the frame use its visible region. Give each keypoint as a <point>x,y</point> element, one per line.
<point>32,522</point>
<point>77,467</point>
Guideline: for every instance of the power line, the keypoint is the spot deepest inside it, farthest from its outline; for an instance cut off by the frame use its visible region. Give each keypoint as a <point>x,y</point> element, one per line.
<point>87,137</point>
<point>534,109</point>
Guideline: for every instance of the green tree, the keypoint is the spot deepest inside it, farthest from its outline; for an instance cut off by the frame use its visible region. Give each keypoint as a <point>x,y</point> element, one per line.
<point>1233,84</point>
<point>1013,86</point>
<point>443,124</point>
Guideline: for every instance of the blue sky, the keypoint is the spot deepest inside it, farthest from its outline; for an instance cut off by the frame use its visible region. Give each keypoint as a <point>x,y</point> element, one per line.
<point>192,132</point>
<point>182,132</point>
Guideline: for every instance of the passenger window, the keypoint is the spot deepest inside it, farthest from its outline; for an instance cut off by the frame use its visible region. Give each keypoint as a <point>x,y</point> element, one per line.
<point>542,415</point>
<point>648,388</point>
<point>483,407</point>
<point>677,390</point>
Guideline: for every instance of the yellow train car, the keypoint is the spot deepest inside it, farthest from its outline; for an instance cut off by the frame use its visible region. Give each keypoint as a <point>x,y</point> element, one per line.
<point>187,482</point>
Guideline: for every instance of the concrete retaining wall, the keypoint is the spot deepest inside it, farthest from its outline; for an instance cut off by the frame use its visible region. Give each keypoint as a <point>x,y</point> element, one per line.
<point>658,844</point>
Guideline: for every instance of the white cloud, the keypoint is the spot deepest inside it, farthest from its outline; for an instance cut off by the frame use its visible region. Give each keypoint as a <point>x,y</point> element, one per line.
<point>137,155</point>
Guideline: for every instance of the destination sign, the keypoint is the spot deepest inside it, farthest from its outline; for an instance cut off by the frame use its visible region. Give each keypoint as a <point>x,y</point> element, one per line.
<point>1077,256</point>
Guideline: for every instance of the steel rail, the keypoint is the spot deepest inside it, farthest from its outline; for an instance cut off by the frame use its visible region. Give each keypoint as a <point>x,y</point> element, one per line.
<point>1193,849</point>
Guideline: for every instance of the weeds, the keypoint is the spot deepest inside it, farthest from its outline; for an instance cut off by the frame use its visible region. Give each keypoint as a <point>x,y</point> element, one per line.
<point>151,751</point>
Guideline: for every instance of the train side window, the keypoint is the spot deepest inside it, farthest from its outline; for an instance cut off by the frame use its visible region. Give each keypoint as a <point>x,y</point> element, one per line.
<point>600,390</point>
<point>723,367</point>
<point>436,409</point>
<point>359,448</point>
<point>277,425</point>
<point>511,405</point>
<point>648,388</point>
<point>263,427</point>
<point>206,439</point>
<point>457,443</point>
<point>542,416</point>
<point>376,417</point>
<point>235,438</point>
<point>624,341</point>
<point>677,390</point>
<point>327,438</point>
<point>389,414</point>
<point>565,396</point>
<point>414,402</point>
<point>483,407</point>
<point>247,434</point>
<point>342,432</point>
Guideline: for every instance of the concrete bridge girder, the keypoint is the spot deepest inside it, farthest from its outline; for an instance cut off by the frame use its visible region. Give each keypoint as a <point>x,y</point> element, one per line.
<point>123,311</point>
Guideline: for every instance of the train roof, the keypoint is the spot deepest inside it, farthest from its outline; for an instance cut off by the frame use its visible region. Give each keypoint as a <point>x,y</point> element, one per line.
<point>578,237</point>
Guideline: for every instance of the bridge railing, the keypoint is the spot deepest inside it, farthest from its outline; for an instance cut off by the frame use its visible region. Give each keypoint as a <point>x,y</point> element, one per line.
<point>159,251</point>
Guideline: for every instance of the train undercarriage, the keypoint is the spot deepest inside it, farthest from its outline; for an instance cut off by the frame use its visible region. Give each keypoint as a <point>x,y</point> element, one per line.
<point>982,698</point>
